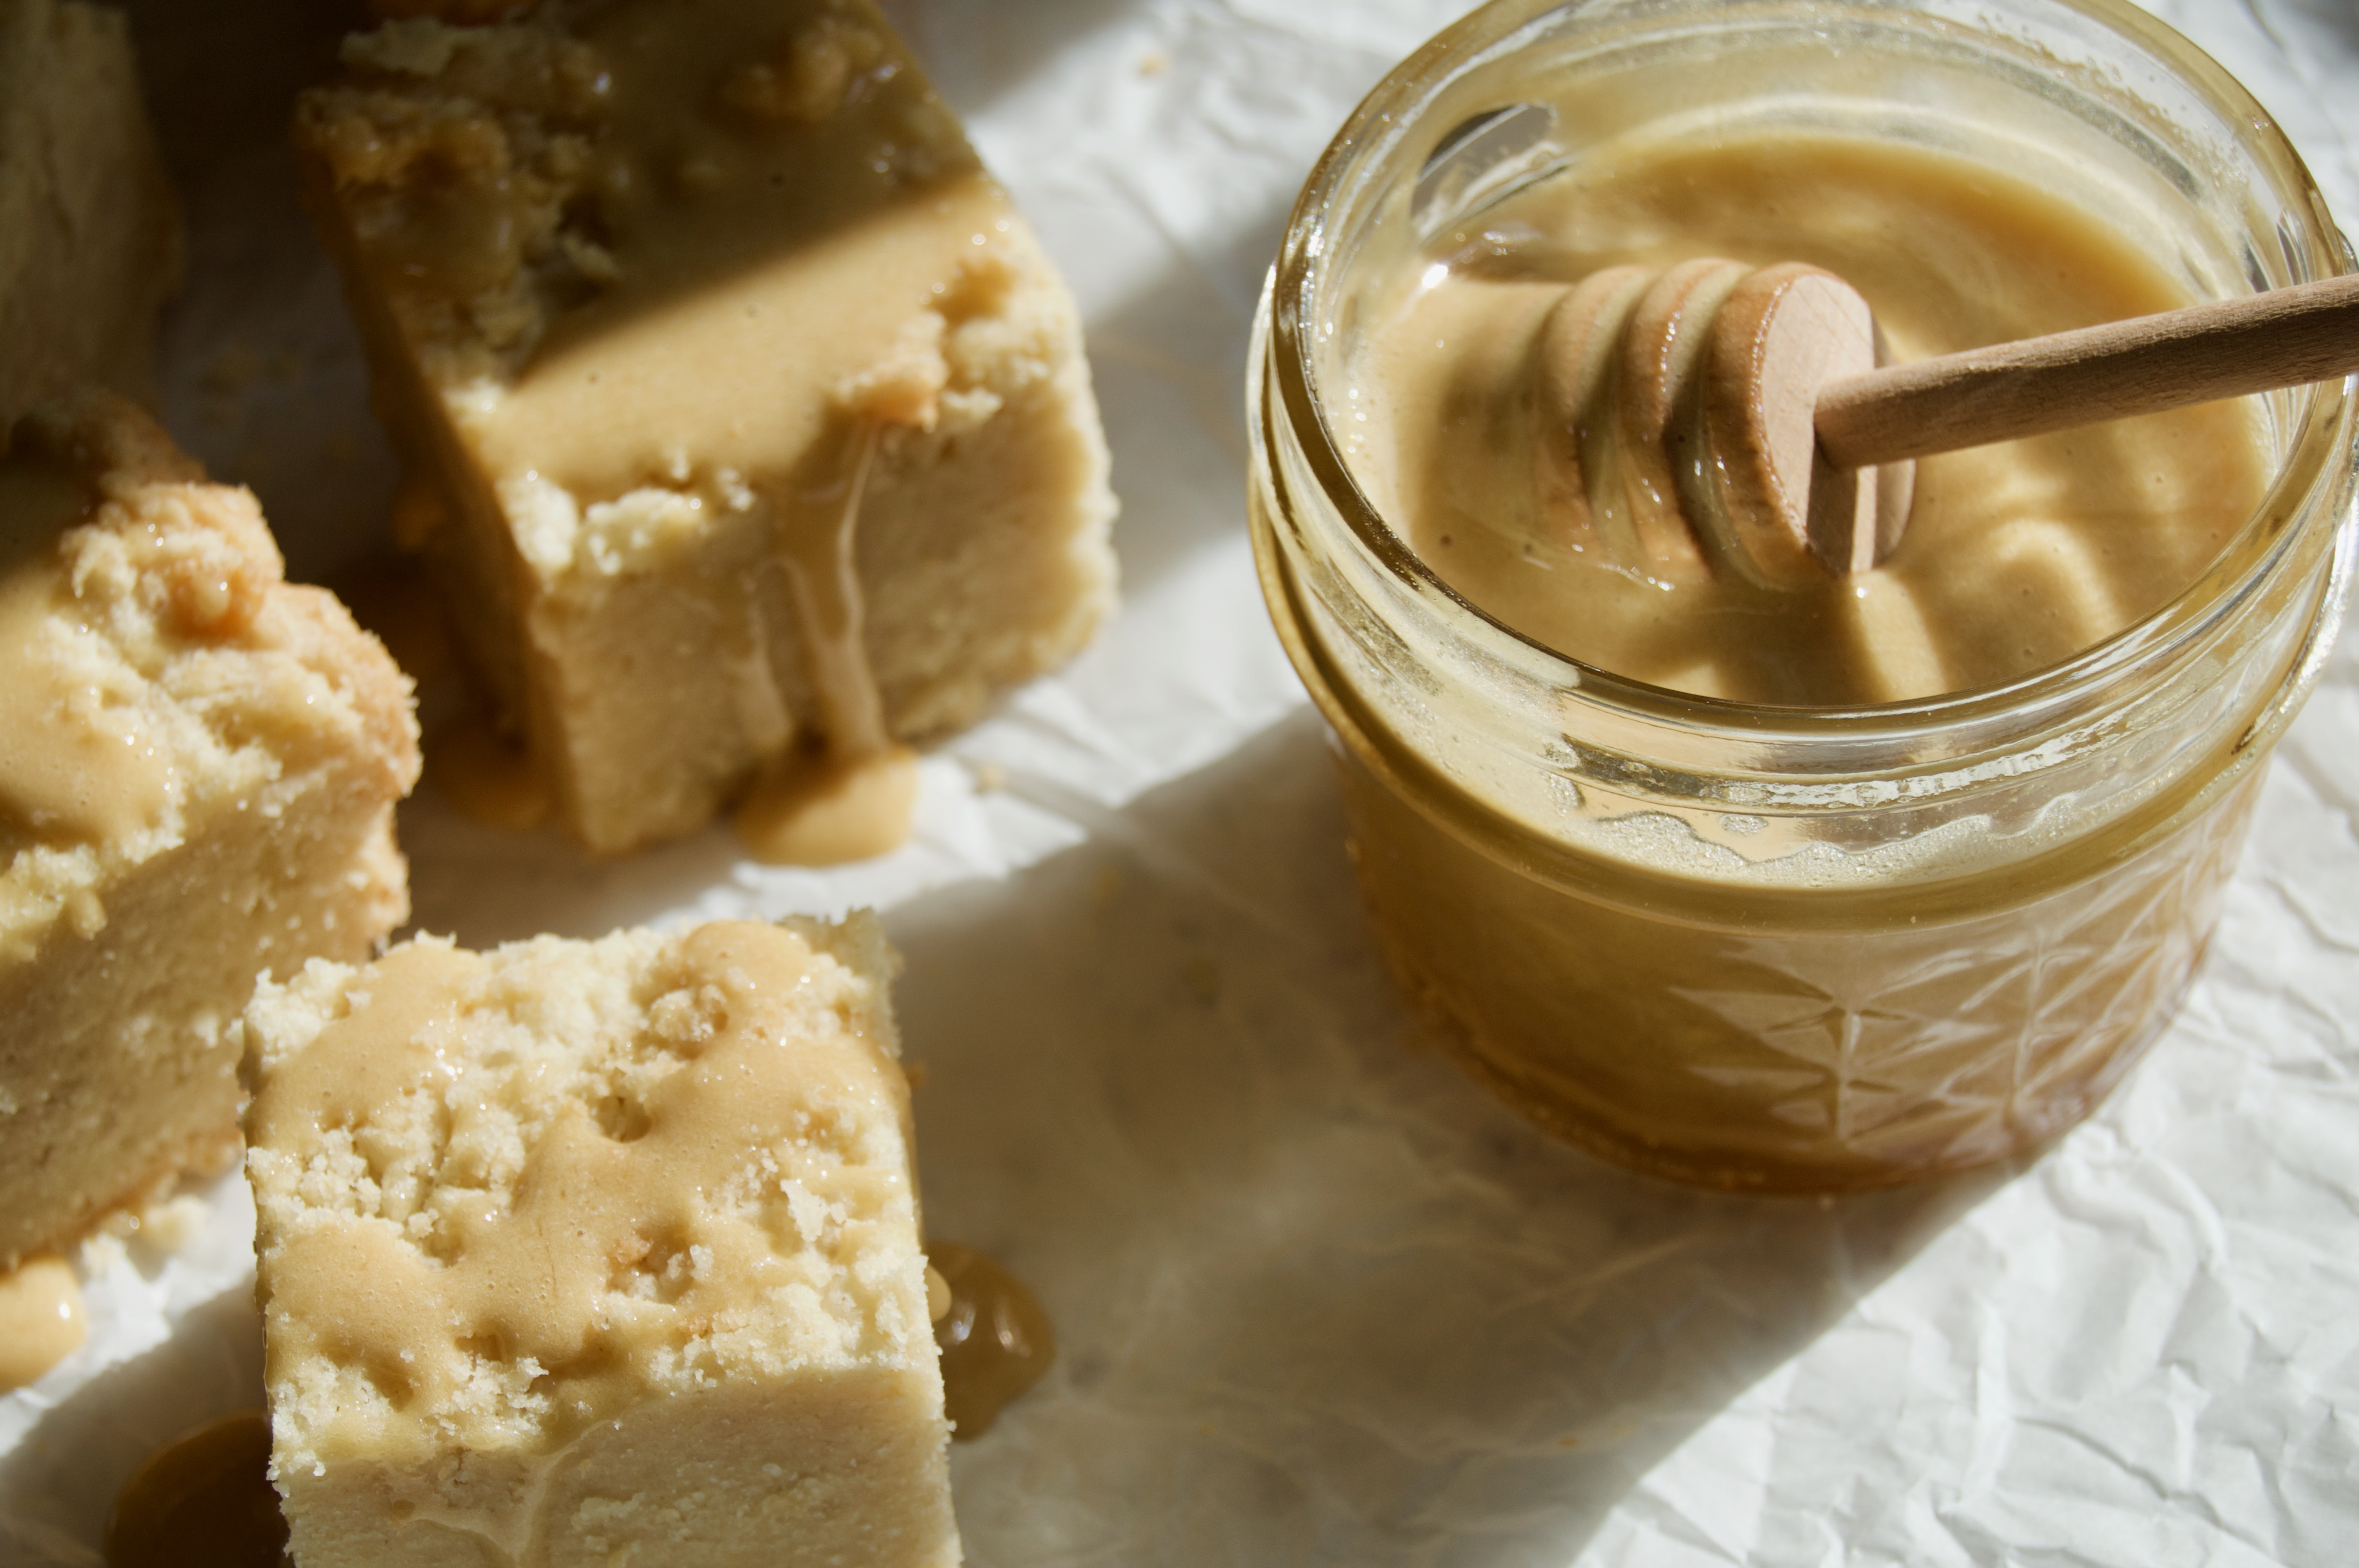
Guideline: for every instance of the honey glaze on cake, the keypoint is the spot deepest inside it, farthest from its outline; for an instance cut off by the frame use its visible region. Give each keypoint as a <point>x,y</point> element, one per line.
<point>610,1194</point>
<point>703,200</point>
<point>72,768</point>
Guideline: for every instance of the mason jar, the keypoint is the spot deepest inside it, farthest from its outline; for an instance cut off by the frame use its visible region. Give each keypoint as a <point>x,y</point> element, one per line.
<point>1794,948</point>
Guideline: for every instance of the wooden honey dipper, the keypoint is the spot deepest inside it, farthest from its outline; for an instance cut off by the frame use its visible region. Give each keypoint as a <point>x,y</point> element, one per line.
<point>1806,439</point>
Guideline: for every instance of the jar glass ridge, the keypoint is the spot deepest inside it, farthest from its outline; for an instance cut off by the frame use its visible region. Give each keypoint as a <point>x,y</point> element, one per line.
<point>1777,948</point>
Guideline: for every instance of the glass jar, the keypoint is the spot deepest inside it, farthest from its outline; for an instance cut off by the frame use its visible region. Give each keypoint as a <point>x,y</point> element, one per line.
<point>1788,948</point>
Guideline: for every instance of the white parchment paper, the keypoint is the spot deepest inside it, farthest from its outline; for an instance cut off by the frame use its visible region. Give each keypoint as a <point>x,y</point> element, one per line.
<point>1322,1301</point>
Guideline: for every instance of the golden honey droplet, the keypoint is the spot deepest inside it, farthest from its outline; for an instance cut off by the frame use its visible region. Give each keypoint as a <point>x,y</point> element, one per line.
<point>204,1501</point>
<point>995,1340</point>
<point>41,1319</point>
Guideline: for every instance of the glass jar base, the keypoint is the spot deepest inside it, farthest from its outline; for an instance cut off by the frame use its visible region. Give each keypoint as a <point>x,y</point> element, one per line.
<point>1451,1028</point>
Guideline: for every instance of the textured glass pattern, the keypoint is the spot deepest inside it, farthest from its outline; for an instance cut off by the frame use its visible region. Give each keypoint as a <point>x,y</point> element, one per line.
<point>1814,1043</point>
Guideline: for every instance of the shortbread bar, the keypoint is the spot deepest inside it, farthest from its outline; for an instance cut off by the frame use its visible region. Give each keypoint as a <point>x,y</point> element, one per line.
<point>740,408</point>
<point>597,1252</point>
<point>197,784</point>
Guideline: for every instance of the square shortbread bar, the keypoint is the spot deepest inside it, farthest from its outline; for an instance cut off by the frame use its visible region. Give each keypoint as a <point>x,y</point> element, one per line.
<point>197,784</point>
<point>90,240</point>
<point>739,406</point>
<point>597,1252</point>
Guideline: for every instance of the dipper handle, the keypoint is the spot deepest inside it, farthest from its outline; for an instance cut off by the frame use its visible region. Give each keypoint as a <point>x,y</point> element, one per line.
<point>2224,348</point>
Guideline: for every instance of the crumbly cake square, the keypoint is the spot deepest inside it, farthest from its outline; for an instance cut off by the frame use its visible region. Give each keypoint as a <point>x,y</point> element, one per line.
<point>197,784</point>
<point>739,406</point>
<point>607,1251</point>
<point>90,237</point>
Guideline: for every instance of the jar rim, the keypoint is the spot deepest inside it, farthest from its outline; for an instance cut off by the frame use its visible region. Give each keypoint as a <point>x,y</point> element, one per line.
<point>2325,419</point>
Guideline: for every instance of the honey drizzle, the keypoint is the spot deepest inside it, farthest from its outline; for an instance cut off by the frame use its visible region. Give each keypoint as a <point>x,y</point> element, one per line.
<point>857,795</point>
<point>829,606</point>
<point>69,770</point>
<point>529,1279</point>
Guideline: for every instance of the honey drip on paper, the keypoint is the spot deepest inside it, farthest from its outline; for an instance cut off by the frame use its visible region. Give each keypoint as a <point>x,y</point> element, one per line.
<point>40,1318</point>
<point>204,1501</point>
<point>995,1339</point>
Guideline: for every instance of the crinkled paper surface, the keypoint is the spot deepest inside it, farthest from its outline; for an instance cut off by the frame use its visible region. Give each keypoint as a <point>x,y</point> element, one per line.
<point>1322,1301</point>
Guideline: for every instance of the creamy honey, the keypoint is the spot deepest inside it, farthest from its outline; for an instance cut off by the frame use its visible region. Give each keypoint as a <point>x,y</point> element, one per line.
<point>2017,555</point>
